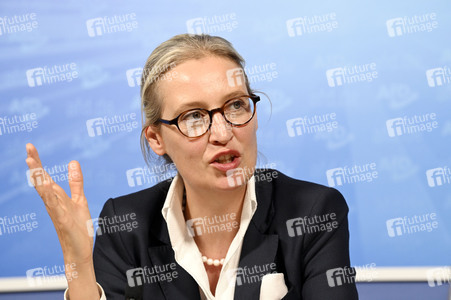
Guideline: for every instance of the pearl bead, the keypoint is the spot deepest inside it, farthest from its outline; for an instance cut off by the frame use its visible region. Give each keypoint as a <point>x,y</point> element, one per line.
<point>212,262</point>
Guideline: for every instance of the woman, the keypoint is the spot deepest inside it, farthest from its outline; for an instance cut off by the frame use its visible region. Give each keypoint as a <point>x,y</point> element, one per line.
<point>258,240</point>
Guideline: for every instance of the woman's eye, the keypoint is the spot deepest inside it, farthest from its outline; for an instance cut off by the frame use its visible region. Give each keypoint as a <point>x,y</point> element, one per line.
<point>194,115</point>
<point>235,105</point>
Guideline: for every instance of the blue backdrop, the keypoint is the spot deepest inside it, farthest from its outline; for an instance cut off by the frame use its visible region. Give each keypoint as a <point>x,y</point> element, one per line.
<point>360,93</point>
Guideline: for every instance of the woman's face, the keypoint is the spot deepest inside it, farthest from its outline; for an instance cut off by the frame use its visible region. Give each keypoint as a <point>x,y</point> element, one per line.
<point>203,83</point>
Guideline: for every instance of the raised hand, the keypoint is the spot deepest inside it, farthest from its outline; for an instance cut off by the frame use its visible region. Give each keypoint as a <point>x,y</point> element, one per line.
<point>71,218</point>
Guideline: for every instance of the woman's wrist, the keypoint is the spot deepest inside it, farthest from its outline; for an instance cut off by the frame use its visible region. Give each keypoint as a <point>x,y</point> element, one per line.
<point>99,288</point>
<point>81,281</point>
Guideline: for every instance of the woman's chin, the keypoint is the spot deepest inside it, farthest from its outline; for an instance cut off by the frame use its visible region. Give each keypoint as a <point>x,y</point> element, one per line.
<point>229,183</point>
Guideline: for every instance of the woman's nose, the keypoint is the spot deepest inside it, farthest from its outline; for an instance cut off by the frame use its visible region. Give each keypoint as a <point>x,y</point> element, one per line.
<point>220,130</point>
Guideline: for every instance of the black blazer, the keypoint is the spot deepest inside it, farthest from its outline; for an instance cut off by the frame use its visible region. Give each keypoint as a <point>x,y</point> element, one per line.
<point>306,258</point>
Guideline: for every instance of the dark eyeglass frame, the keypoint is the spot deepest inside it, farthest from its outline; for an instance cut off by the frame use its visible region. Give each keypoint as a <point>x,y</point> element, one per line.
<point>175,121</point>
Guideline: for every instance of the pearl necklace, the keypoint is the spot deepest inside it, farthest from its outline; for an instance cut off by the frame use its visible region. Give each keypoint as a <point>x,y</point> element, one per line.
<point>205,260</point>
<point>212,262</point>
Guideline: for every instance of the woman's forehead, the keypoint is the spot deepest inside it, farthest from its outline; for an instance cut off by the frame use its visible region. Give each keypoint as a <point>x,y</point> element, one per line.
<point>206,80</point>
<point>204,69</point>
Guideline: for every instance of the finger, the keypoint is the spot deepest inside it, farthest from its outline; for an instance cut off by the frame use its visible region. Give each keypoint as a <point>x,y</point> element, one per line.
<point>41,180</point>
<point>34,164</point>
<point>33,152</point>
<point>76,181</point>
<point>37,175</point>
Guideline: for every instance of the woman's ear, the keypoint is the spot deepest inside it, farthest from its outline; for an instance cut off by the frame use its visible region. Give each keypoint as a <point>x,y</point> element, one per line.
<point>155,140</point>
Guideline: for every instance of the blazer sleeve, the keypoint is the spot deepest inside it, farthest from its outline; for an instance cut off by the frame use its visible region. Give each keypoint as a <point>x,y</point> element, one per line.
<point>325,261</point>
<point>111,259</point>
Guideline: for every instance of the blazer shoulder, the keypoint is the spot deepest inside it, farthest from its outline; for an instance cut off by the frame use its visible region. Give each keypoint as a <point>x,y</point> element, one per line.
<point>149,199</point>
<point>297,194</point>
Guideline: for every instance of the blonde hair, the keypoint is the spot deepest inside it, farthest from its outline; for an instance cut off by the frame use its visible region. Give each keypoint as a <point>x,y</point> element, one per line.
<point>166,56</point>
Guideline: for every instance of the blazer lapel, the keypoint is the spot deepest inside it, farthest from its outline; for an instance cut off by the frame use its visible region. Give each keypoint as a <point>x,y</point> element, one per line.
<point>257,259</point>
<point>258,254</point>
<point>183,285</point>
<point>162,255</point>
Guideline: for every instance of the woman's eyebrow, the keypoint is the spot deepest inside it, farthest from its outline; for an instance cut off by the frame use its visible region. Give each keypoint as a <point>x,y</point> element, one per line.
<point>201,104</point>
<point>190,105</point>
<point>234,94</point>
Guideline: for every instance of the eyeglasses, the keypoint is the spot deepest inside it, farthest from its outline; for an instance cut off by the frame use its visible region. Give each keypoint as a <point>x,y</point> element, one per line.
<point>196,122</point>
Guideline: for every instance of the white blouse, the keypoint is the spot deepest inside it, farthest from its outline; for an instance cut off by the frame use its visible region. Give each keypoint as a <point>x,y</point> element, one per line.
<point>187,254</point>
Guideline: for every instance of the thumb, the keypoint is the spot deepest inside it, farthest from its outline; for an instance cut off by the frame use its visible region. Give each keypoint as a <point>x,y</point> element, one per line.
<point>75,181</point>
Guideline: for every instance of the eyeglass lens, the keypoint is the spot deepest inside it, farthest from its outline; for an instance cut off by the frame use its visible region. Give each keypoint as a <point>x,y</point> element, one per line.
<point>196,122</point>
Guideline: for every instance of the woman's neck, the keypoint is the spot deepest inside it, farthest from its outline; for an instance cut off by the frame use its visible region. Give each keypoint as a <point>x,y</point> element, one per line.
<point>201,203</point>
<point>220,212</point>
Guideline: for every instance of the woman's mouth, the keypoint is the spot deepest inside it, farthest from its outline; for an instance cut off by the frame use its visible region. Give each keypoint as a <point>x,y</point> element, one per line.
<point>223,159</point>
<point>226,162</point>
